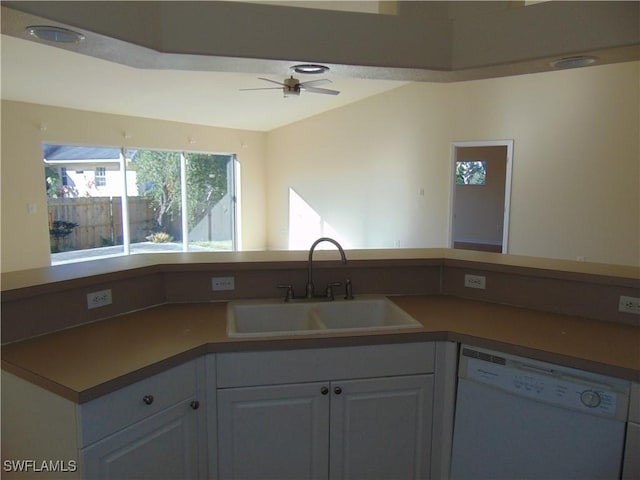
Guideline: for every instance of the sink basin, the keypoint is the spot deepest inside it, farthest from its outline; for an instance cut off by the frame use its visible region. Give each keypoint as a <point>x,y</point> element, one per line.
<point>373,313</point>
<point>260,318</point>
<point>264,318</point>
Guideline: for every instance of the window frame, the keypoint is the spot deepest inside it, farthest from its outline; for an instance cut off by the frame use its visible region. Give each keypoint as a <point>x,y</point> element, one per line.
<point>100,180</point>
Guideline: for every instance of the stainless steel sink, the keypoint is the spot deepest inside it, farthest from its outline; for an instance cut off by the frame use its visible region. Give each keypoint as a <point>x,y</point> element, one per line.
<point>266,318</point>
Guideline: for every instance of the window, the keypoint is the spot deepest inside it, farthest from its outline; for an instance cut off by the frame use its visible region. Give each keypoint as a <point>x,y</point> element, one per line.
<point>471,172</point>
<point>101,176</point>
<point>154,201</point>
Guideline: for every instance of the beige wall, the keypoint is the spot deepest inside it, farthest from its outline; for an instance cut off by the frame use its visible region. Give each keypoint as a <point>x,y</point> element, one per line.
<point>378,171</point>
<point>362,168</point>
<point>576,167</point>
<point>25,239</point>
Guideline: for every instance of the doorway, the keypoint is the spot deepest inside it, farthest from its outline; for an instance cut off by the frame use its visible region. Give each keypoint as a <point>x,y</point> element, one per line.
<point>481,177</point>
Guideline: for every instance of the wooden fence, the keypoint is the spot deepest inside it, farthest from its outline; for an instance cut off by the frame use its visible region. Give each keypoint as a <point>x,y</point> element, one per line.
<point>99,221</point>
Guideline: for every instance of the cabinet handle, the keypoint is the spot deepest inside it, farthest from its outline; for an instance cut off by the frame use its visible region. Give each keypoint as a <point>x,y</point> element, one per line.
<point>337,390</point>
<point>324,390</point>
<point>195,404</point>
<point>148,399</point>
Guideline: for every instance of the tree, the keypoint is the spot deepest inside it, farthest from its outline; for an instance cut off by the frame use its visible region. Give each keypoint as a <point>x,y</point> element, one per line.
<point>207,182</point>
<point>470,172</point>
<point>55,188</point>
<point>158,178</point>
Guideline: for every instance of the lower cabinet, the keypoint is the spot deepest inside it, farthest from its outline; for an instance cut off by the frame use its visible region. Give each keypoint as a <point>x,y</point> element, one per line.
<point>381,428</point>
<point>151,429</point>
<point>164,446</point>
<point>342,427</point>
<point>273,432</point>
<point>631,463</point>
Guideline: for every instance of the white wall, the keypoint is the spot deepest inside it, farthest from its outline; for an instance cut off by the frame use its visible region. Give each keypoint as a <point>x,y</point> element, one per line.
<point>576,167</point>
<point>25,127</point>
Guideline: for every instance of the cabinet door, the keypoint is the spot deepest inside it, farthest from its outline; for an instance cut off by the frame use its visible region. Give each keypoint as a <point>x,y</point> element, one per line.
<point>631,466</point>
<point>163,446</point>
<point>274,432</point>
<point>381,428</point>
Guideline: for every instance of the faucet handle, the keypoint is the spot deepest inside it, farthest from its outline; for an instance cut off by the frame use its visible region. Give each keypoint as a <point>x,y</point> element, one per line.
<point>289,295</point>
<point>348,290</point>
<point>329,293</point>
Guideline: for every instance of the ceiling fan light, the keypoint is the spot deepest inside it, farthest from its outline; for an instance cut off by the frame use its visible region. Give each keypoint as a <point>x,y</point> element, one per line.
<point>573,62</point>
<point>310,68</point>
<point>51,33</point>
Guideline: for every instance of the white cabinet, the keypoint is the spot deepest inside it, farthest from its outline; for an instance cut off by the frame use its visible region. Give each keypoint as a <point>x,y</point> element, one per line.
<point>353,412</point>
<point>381,427</point>
<point>273,432</point>
<point>154,428</point>
<point>631,465</point>
<point>151,429</point>
<point>164,445</point>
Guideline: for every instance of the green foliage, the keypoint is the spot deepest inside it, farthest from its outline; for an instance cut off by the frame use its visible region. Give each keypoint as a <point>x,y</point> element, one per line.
<point>207,183</point>
<point>160,237</point>
<point>158,178</point>
<point>59,229</point>
<point>472,172</point>
<point>55,189</point>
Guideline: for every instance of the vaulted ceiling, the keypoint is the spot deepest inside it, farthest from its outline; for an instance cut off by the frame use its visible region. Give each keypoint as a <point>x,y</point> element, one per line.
<point>186,61</point>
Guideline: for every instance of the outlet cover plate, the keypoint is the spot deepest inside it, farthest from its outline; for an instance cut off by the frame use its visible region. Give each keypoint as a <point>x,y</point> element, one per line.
<point>629,304</point>
<point>475,281</point>
<point>223,283</point>
<point>99,299</point>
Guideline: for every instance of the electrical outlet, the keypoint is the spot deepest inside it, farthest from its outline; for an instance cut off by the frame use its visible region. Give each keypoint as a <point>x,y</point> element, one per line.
<point>99,299</point>
<point>629,305</point>
<point>475,281</point>
<point>223,283</point>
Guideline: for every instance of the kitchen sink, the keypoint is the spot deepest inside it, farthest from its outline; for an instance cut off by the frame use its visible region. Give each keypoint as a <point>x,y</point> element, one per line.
<point>259,318</point>
<point>373,313</point>
<point>265,318</point>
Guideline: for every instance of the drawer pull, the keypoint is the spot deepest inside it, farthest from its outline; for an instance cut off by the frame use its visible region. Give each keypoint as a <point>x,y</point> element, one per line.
<point>148,399</point>
<point>337,390</point>
<point>195,404</point>
<point>324,390</point>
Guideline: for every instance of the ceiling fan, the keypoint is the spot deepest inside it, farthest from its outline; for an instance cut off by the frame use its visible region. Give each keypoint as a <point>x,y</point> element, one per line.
<point>291,87</point>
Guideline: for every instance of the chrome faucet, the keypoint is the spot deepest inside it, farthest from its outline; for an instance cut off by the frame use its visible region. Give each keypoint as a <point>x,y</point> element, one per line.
<point>310,293</point>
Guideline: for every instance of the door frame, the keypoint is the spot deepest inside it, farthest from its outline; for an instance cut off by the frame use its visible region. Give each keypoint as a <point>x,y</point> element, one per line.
<point>507,186</point>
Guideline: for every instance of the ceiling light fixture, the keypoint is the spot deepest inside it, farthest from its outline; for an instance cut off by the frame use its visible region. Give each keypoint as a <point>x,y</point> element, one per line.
<point>573,62</point>
<point>54,34</point>
<point>310,68</point>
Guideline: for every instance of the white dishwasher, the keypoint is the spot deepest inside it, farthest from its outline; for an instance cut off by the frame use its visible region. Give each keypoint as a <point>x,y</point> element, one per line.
<point>518,418</point>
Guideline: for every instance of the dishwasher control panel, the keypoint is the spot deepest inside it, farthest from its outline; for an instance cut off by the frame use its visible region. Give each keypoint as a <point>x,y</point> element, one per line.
<point>559,386</point>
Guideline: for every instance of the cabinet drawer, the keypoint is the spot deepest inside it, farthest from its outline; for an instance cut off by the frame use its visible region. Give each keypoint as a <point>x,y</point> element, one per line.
<point>318,364</point>
<point>119,409</point>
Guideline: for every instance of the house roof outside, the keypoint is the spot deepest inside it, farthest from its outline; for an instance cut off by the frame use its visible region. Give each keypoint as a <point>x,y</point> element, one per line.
<point>57,153</point>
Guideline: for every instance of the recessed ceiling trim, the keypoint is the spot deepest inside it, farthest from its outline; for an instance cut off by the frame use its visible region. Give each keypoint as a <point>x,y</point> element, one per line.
<point>574,62</point>
<point>14,23</point>
<point>310,68</point>
<point>51,33</point>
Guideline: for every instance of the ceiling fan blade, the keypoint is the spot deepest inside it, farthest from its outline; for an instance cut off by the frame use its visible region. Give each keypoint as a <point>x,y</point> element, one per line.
<point>314,83</point>
<point>272,81</point>
<point>265,88</point>
<point>326,91</point>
